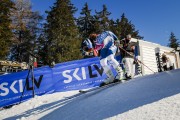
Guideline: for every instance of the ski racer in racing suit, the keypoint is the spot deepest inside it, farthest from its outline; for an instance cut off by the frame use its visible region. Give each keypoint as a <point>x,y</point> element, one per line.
<point>105,42</point>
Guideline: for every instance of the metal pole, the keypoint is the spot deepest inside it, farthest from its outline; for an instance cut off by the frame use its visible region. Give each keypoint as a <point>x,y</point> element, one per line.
<point>137,59</point>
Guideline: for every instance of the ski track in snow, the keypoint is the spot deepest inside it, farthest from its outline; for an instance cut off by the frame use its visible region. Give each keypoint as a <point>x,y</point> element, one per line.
<point>152,97</point>
<point>165,109</point>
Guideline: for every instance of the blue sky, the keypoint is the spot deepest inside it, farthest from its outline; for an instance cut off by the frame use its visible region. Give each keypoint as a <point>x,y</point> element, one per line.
<point>155,19</point>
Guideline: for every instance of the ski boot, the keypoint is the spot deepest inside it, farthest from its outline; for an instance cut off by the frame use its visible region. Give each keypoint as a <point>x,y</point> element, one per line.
<point>109,79</point>
<point>120,76</point>
<point>128,77</point>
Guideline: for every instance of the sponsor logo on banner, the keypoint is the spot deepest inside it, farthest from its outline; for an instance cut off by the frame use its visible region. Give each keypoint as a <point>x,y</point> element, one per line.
<point>83,76</point>
<point>73,75</point>
<point>17,86</point>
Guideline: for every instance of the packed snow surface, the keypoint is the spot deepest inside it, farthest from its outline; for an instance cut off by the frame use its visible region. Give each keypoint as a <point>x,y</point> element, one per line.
<point>151,97</point>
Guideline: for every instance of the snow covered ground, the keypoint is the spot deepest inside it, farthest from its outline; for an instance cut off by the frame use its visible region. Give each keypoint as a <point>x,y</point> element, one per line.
<point>152,97</point>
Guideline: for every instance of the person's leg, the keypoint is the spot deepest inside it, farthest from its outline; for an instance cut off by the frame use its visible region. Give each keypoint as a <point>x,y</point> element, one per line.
<point>107,70</point>
<point>132,67</point>
<point>105,52</point>
<point>117,67</point>
<point>127,67</point>
<point>165,67</point>
<point>111,57</point>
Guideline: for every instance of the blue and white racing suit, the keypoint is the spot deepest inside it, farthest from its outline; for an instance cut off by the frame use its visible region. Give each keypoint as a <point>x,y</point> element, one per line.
<point>108,50</point>
<point>106,40</point>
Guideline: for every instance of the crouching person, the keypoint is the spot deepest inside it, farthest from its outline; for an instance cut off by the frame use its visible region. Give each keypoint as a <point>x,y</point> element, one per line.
<point>87,47</point>
<point>108,49</point>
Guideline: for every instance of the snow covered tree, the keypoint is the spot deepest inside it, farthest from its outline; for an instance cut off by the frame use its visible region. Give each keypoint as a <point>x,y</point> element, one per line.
<point>6,6</point>
<point>62,33</point>
<point>173,41</point>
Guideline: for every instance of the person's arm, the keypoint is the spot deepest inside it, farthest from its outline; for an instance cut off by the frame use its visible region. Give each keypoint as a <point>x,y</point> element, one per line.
<point>98,46</point>
<point>131,46</point>
<point>113,35</point>
<point>84,48</point>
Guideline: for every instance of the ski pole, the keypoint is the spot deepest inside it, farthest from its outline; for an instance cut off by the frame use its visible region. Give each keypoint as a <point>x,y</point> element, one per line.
<point>137,59</point>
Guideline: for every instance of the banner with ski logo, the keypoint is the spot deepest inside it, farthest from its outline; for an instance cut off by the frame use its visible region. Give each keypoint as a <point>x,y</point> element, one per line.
<point>73,75</point>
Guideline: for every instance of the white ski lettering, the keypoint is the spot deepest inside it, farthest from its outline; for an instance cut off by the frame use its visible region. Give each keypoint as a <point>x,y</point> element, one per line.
<point>75,74</point>
<point>67,76</point>
<point>83,73</point>
<point>12,87</point>
<point>3,88</point>
<point>20,86</point>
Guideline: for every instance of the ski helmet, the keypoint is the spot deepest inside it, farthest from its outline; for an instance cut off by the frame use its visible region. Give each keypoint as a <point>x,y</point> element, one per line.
<point>93,36</point>
<point>128,36</point>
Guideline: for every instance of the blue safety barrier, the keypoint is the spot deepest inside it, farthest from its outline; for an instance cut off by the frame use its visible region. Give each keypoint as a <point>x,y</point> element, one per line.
<point>73,75</point>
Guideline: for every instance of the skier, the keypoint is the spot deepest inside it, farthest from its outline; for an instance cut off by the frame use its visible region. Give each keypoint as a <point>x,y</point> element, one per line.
<point>87,47</point>
<point>105,42</point>
<point>128,57</point>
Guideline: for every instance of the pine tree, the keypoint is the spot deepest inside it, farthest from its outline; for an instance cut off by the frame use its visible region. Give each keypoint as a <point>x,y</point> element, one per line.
<point>6,6</point>
<point>42,49</point>
<point>125,27</point>
<point>25,23</point>
<point>102,22</point>
<point>62,33</point>
<point>115,27</point>
<point>173,41</point>
<point>85,22</point>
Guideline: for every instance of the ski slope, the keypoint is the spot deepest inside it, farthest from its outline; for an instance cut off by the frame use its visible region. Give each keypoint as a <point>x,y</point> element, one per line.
<point>152,97</point>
